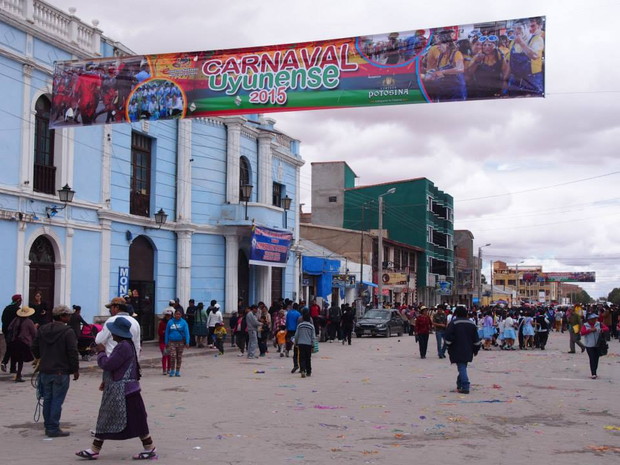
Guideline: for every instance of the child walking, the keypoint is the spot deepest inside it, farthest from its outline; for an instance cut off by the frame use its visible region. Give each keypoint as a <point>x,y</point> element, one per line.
<point>281,339</point>
<point>219,333</point>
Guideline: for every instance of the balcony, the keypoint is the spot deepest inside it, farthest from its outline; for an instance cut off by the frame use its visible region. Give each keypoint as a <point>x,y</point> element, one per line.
<point>64,27</point>
<point>44,179</point>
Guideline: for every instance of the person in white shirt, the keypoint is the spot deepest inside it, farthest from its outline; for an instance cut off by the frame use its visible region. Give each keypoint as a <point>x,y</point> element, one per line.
<point>214,317</point>
<point>118,307</point>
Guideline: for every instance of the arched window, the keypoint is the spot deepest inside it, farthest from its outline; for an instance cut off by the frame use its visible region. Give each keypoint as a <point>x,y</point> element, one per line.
<point>44,168</point>
<point>244,174</point>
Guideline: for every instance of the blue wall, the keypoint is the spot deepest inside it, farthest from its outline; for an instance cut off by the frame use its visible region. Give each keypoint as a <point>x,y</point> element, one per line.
<point>208,269</point>
<point>86,273</point>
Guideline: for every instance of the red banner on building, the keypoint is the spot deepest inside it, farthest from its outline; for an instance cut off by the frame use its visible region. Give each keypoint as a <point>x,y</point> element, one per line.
<point>501,59</point>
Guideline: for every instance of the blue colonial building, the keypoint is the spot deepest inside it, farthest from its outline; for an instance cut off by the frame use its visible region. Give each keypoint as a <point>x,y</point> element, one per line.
<point>194,173</point>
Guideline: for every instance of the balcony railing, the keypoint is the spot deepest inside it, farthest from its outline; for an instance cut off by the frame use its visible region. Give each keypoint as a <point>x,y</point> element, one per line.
<point>57,23</point>
<point>44,179</point>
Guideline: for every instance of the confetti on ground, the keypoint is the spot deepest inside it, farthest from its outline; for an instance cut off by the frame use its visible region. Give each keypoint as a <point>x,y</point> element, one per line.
<point>327,407</point>
<point>369,452</point>
<point>493,401</point>
<point>259,371</point>
<point>422,417</point>
<point>456,419</point>
<point>373,406</point>
<point>612,428</point>
<point>604,448</point>
<point>496,386</point>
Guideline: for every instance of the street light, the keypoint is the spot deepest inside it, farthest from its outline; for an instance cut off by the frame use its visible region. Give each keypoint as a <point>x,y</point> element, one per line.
<point>286,205</point>
<point>65,195</point>
<point>245,194</point>
<point>160,218</point>
<point>380,268</point>
<point>480,273</point>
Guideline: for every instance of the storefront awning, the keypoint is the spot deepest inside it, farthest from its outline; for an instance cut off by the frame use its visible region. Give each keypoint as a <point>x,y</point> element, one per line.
<point>367,283</point>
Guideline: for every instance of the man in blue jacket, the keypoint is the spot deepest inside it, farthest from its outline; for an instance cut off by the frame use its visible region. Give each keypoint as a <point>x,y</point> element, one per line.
<point>292,320</point>
<point>463,344</point>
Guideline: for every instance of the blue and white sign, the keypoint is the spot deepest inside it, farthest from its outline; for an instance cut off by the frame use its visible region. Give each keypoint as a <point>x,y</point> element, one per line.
<point>123,280</point>
<point>270,246</point>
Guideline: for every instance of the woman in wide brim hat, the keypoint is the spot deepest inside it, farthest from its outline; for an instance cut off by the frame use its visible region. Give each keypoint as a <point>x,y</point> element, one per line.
<point>122,414</point>
<point>20,334</point>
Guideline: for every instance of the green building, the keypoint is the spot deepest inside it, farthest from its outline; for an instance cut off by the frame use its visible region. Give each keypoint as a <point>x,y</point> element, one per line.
<point>417,214</point>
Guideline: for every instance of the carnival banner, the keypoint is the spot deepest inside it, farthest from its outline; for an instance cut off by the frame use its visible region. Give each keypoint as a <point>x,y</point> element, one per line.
<point>560,277</point>
<point>500,59</point>
<point>270,246</point>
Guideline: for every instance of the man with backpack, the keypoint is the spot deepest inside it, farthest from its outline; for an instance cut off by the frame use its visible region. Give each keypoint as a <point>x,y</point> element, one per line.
<point>333,323</point>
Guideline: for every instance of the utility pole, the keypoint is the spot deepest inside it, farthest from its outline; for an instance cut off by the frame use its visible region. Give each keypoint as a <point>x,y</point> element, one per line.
<point>380,251</point>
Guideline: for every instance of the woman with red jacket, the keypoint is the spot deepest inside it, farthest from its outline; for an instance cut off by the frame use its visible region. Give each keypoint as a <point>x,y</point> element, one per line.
<point>161,332</point>
<point>422,330</point>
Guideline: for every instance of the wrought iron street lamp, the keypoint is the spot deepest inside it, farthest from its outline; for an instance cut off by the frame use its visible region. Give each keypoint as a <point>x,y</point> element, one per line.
<point>286,205</point>
<point>246,193</point>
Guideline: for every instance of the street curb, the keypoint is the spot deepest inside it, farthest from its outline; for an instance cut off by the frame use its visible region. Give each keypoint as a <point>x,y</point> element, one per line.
<point>151,359</point>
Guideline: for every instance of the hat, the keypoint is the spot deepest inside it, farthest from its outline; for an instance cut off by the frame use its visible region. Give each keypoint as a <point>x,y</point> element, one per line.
<point>62,310</point>
<point>217,306</point>
<point>25,312</point>
<point>171,302</point>
<point>422,307</point>
<point>120,327</point>
<point>168,311</point>
<point>116,301</point>
<point>16,298</point>
<point>592,316</point>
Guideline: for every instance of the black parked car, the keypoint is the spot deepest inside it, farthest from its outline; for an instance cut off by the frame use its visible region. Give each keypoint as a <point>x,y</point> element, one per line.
<point>378,322</point>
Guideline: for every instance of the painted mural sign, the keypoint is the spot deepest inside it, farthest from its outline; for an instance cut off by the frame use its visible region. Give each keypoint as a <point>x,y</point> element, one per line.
<point>560,277</point>
<point>270,247</point>
<point>500,59</point>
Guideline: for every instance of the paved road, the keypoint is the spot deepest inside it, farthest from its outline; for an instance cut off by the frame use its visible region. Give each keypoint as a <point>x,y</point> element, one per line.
<point>375,402</point>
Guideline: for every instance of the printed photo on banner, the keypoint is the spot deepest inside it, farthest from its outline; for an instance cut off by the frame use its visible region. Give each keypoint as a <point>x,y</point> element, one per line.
<point>493,60</point>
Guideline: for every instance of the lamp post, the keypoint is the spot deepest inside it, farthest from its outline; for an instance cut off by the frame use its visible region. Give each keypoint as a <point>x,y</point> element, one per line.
<point>65,195</point>
<point>380,251</point>
<point>245,194</point>
<point>160,218</point>
<point>286,205</point>
<point>480,273</point>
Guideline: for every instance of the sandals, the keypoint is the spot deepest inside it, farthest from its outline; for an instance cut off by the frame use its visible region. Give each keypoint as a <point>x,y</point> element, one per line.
<point>146,455</point>
<point>85,454</point>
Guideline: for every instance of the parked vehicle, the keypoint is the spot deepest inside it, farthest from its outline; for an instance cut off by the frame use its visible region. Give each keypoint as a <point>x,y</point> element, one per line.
<point>378,322</point>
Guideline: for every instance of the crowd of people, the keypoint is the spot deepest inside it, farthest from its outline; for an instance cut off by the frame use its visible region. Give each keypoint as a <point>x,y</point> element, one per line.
<point>84,93</point>
<point>487,64</point>
<point>290,329</point>
<point>490,62</point>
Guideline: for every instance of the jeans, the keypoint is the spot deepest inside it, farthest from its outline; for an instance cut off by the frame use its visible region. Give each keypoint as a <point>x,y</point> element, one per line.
<point>252,343</point>
<point>54,389</point>
<point>423,343</point>
<point>462,380</point>
<point>441,348</point>
<point>593,356</point>
<point>305,358</point>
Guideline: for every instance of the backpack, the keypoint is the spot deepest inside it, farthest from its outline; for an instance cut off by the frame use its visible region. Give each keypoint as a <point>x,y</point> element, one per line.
<point>334,314</point>
<point>602,346</point>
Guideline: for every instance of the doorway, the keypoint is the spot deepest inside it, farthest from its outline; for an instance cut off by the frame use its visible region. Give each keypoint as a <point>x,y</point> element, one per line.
<point>42,270</point>
<point>142,284</point>
<point>243,276</point>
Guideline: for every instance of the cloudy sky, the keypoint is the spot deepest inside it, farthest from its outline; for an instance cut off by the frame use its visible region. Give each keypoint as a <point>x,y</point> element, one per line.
<point>538,179</point>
